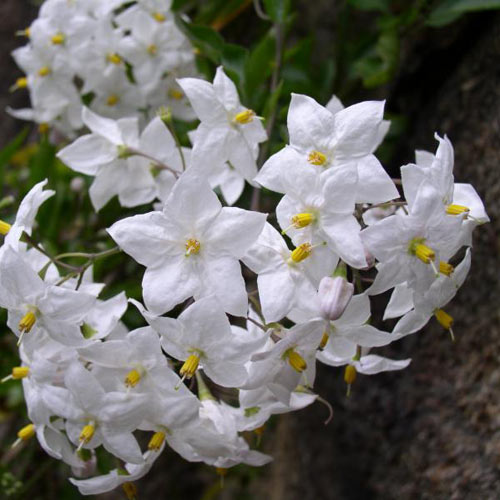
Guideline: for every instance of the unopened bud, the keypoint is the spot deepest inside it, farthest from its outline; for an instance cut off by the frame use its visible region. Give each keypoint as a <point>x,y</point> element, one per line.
<point>334,295</point>
<point>77,184</point>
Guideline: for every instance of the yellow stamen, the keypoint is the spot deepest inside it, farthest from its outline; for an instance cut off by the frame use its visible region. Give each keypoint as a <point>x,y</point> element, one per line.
<point>152,49</point>
<point>44,71</point>
<point>349,377</point>
<point>456,209</point>
<point>21,83</point>
<point>43,128</point>
<point>133,378</point>
<point>130,490</point>
<point>114,58</point>
<point>445,268</point>
<point>297,362</point>
<point>301,252</point>
<point>156,441</point>
<point>190,366</point>
<point>244,117</point>
<point>87,433</point>
<point>302,220</point>
<point>316,158</point>
<point>58,39</point>
<point>112,100</point>
<point>444,319</point>
<point>158,16</point>
<point>175,94</point>
<point>324,340</point>
<point>26,32</point>
<point>192,247</point>
<point>26,432</point>
<point>19,372</point>
<point>4,227</point>
<point>421,251</point>
<point>27,322</point>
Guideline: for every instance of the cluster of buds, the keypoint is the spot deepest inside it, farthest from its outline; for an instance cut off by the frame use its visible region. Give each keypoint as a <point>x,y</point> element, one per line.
<point>119,57</point>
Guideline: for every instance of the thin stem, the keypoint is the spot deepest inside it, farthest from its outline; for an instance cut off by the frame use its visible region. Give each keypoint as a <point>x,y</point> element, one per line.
<point>259,11</point>
<point>387,204</point>
<point>171,128</point>
<point>157,163</point>
<point>256,323</point>
<point>54,260</point>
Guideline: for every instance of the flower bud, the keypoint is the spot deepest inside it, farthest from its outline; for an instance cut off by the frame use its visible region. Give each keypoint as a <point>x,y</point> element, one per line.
<point>334,295</point>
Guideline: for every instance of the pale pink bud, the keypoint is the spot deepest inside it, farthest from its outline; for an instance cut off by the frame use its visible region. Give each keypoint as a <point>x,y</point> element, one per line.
<point>334,295</point>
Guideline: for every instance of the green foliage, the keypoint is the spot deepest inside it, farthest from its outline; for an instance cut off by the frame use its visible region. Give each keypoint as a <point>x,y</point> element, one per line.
<point>277,10</point>
<point>448,11</point>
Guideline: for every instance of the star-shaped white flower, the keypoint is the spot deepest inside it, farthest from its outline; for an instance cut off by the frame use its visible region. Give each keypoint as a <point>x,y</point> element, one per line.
<point>191,248</point>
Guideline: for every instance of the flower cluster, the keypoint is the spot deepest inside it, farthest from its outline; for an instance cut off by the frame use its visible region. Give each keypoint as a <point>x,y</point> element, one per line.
<point>119,57</point>
<point>88,381</point>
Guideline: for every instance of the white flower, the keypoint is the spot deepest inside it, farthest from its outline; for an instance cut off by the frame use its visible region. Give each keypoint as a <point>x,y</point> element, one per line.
<point>322,141</point>
<point>202,337</point>
<point>228,131</point>
<point>315,210</point>
<point>191,249</point>
<point>94,417</point>
<point>458,199</point>
<point>26,213</point>
<point>431,302</point>
<point>34,304</point>
<point>286,277</point>
<point>408,247</point>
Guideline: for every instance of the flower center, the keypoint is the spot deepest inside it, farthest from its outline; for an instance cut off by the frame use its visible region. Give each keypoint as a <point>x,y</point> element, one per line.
<point>317,158</point>
<point>302,220</point>
<point>297,362</point>
<point>156,441</point>
<point>324,340</point>
<point>418,248</point>
<point>58,39</point>
<point>152,49</point>
<point>445,268</point>
<point>301,252</point>
<point>27,322</point>
<point>456,209</point>
<point>245,116</point>
<point>190,366</point>
<point>175,94</point>
<point>133,378</point>
<point>44,71</point>
<point>87,433</point>
<point>192,247</point>
<point>158,16</point>
<point>112,100</point>
<point>113,58</point>
<point>130,490</point>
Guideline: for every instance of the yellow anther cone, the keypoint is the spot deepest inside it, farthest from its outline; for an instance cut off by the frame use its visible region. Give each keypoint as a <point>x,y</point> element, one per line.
<point>244,117</point>
<point>156,442</point>
<point>316,158</point>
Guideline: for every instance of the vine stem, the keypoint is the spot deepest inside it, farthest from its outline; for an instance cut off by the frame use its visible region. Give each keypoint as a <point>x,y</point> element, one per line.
<point>178,144</point>
<point>157,163</point>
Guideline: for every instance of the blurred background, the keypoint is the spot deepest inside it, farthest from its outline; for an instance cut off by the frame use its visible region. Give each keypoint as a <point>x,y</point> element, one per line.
<point>431,431</point>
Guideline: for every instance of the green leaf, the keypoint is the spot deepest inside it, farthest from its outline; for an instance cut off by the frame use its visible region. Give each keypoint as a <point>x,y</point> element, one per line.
<point>277,10</point>
<point>207,40</point>
<point>260,63</point>
<point>380,5</point>
<point>10,150</point>
<point>234,58</point>
<point>379,65</point>
<point>448,11</point>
